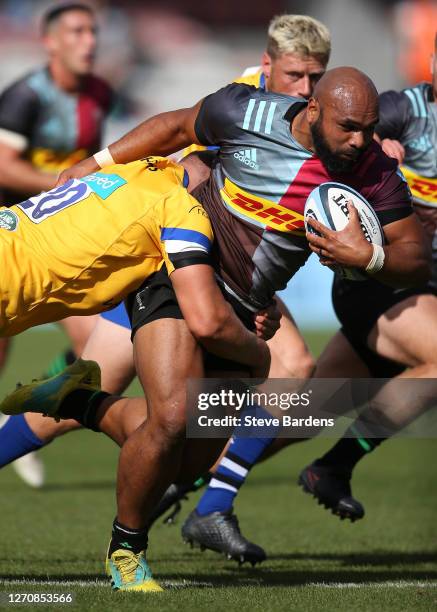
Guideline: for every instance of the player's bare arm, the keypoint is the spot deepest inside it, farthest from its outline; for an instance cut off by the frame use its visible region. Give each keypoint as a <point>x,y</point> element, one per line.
<point>213,322</point>
<point>20,175</point>
<point>406,259</point>
<point>160,135</point>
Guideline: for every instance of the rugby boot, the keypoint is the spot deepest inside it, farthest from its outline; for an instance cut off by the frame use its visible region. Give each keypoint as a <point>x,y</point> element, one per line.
<point>46,396</point>
<point>219,531</point>
<point>330,485</point>
<point>130,572</point>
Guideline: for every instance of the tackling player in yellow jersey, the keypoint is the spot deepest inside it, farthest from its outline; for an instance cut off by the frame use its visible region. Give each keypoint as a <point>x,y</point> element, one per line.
<point>82,247</point>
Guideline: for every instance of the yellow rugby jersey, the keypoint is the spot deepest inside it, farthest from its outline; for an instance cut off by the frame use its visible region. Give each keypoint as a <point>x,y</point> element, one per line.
<point>82,247</point>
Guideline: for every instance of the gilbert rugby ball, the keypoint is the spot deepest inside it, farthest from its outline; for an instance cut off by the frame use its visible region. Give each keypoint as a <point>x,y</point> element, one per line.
<point>327,203</point>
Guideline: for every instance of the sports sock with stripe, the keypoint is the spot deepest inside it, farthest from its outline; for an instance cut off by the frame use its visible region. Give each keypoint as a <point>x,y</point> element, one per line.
<point>233,469</point>
<point>127,538</point>
<point>17,439</point>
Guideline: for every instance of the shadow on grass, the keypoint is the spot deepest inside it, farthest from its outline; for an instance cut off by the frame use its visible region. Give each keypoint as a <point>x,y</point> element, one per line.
<point>295,578</point>
<point>367,558</point>
<point>233,576</point>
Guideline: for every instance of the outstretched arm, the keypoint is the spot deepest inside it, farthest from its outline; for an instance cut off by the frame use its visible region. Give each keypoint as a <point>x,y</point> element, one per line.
<point>160,135</point>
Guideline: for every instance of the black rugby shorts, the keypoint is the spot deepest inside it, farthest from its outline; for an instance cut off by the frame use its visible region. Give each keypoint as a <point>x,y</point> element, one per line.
<point>358,306</point>
<point>156,299</point>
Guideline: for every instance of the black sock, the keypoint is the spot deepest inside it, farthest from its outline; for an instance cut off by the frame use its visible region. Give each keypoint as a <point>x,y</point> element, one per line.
<point>348,451</point>
<point>82,405</point>
<point>125,537</point>
<point>70,356</point>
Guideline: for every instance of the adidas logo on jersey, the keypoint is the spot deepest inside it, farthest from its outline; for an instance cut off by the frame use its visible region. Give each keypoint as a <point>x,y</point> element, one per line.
<point>421,144</point>
<point>248,157</point>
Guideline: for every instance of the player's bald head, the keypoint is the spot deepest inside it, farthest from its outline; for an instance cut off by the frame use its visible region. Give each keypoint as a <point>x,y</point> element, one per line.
<point>345,88</point>
<point>342,114</point>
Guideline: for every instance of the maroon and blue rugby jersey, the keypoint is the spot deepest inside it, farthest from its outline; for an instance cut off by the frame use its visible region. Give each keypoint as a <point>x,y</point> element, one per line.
<point>410,116</point>
<point>259,184</point>
<point>53,129</point>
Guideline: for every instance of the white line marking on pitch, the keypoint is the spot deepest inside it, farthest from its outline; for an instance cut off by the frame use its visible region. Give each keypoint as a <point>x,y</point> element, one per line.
<point>99,583</point>
<point>400,584</point>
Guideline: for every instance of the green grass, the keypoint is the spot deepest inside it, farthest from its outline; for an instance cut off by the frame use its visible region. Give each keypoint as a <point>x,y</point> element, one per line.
<point>388,561</point>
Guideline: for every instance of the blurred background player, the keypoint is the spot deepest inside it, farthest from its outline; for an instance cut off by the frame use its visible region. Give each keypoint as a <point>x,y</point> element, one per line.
<point>50,119</point>
<point>296,56</point>
<point>396,332</point>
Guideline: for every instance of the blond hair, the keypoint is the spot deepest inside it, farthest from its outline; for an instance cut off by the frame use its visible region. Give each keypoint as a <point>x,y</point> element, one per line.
<point>298,34</point>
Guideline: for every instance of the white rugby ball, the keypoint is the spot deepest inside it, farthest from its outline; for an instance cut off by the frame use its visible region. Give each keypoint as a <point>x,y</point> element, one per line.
<point>327,203</point>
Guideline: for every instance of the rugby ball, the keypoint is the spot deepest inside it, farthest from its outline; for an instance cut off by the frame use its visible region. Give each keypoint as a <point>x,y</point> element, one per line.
<point>327,203</point>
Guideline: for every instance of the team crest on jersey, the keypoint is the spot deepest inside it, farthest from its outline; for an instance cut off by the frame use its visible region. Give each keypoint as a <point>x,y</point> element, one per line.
<point>8,220</point>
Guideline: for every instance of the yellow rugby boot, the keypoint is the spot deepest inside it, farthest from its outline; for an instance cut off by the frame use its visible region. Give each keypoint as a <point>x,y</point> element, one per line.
<point>130,572</point>
<point>45,396</point>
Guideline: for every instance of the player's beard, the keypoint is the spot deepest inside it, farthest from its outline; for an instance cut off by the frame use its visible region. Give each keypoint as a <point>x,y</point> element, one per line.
<point>328,157</point>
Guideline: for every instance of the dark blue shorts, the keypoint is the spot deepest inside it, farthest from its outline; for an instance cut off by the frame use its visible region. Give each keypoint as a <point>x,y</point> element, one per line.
<point>117,315</point>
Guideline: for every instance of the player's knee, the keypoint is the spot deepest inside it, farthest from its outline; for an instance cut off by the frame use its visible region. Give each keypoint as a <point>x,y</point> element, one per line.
<point>169,421</point>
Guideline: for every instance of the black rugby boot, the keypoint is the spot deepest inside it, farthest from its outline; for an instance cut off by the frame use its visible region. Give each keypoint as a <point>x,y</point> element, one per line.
<point>219,531</point>
<point>330,485</point>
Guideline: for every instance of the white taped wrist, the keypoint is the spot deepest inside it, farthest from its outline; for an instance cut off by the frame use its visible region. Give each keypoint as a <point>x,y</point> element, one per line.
<point>104,158</point>
<point>377,260</point>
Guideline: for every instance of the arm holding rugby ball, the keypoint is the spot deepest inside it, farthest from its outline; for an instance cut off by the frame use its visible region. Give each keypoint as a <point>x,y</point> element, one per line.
<point>406,262</point>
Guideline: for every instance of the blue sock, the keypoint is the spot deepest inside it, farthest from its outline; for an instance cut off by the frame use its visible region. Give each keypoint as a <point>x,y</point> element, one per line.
<point>233,469</point>
<point>17,439</point>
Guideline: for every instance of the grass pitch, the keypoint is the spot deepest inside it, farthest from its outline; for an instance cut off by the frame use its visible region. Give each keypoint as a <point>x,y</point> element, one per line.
<point>53,541</point>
